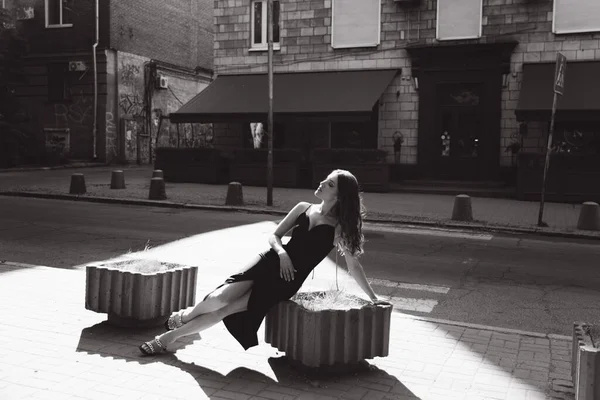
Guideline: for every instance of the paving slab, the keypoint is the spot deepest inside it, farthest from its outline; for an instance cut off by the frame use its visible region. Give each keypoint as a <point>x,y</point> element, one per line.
<point>56,349</point>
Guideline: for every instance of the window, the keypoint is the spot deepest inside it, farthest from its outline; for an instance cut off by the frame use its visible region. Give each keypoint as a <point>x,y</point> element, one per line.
<point>576,137</point>
<point>259,25</point>
<point>459,19</point>
<point>58,14</point>
<point>354,135</point>
<point>58,88</point>
<point>355,23</point>
<point>278,139</point>
<point>575,16</point>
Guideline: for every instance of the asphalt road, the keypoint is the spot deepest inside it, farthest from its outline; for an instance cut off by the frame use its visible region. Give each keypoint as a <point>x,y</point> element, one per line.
<point>518,282</point>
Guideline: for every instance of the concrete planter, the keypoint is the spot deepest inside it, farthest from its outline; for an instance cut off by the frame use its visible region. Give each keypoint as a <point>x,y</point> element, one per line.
<point>135,299</point>
<point>585,366</point>
<point>329,337</point>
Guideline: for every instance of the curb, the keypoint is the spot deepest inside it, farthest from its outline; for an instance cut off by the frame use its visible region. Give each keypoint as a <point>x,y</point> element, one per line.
<point>405,221</point>
<point>54,167</point>
<point>508,331</point>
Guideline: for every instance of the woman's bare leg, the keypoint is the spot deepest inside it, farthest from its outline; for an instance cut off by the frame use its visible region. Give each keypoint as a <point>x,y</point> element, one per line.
<point>220,297</point>
<point>205,321</point>
<point>217,300</point>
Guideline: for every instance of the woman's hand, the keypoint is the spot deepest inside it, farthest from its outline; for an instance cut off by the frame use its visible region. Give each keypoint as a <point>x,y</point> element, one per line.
<point>377,301</point>
<point>286,268</point>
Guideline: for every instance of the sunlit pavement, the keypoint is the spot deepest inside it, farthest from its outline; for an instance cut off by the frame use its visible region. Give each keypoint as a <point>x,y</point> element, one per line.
<point>53,348</point>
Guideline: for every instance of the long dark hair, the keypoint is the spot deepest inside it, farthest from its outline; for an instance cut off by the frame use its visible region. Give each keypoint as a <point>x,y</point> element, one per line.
<point>350,212</point>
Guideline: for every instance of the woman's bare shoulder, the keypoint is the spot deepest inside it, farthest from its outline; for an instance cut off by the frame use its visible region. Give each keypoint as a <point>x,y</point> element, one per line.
<point>299,208</point>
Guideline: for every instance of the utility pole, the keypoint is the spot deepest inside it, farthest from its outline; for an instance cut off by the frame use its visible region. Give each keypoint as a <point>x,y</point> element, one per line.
<point>270,124</point>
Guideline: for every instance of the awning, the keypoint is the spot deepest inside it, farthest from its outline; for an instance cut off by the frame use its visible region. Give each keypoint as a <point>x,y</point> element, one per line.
<point>581,98</point>
<point>245,97</point>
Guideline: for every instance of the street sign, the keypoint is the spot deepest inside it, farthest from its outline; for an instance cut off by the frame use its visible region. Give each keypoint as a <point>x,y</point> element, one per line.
<point>559,73</point>
<point>559,87</point>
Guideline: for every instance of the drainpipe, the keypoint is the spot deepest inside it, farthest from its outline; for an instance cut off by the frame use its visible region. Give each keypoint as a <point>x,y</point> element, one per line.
<point>95,129</point>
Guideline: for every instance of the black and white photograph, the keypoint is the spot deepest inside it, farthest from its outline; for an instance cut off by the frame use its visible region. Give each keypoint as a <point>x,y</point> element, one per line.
<point>300,199</point>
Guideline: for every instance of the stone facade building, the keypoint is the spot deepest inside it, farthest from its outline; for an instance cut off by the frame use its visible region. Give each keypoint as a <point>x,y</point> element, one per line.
<point>152,56</point>
<point>469,77</point>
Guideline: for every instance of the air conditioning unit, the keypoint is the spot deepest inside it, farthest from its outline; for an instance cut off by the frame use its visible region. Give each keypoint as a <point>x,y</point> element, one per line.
<point>77,66</point>
<point>162,82</point>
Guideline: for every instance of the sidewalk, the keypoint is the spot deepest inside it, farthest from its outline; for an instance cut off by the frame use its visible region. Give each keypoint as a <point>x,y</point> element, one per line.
<point>424,209</point>
<point>56,349</point>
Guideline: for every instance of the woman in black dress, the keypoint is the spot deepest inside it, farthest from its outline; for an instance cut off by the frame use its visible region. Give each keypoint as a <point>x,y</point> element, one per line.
<point>276,275</point>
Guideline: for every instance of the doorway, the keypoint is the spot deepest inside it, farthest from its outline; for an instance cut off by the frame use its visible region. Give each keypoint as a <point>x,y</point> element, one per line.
<point>460,91</point>
<point>459,131</point>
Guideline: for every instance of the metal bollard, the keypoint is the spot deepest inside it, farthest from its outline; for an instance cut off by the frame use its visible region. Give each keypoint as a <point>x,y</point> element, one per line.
<point>157,189</point>
<point>117,180</point>
<point>77,184</point>
<point>589,217</point>
<point>462,210</point>
<point>235,196</point>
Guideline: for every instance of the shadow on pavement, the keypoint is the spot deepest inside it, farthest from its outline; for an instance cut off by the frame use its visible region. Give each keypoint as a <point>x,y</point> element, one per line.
<point>122,344</point>
<point>503,363</point>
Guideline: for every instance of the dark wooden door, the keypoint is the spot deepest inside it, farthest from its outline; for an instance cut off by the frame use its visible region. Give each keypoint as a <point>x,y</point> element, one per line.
<point>460,132</point>
<point>466,105</point>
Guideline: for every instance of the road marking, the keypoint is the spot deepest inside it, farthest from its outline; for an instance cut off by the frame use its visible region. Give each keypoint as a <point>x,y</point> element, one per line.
<point>427,232</point>
<point>423,305</point>
<point>20,265</point>
<point>411,304</point>
<point>410,286</point>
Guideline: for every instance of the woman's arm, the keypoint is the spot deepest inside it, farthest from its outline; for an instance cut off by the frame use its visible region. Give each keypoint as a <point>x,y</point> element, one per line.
<point>285,225</point>
<point>357,272</point>
<point>286,268</point>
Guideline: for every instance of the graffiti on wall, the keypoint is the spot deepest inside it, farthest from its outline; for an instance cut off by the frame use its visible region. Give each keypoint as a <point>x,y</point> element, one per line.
<point>78,112</point>
<point>131,104</point>
<point>111,129</point>
<point>137,143</point>
<point>150,107</point>
<point>131,87</point>
<point>130,74</point>
<point>189,135</point>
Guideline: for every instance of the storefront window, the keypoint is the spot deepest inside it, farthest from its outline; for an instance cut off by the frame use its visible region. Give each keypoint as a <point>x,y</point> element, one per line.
<point>577,137</point>
<point>354,135</point>
<point>255,135</point>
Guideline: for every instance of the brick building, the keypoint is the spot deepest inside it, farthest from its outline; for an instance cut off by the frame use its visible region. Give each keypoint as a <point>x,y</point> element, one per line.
<point>151,56</point>
<point>458,80</point>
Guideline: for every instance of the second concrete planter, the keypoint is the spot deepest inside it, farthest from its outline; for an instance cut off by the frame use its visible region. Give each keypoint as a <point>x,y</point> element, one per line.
<point>329,337</point>
<point>139,299</point>
<point>585,366</point>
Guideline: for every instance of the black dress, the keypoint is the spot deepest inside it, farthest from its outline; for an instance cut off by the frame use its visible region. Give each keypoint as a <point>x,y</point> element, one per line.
<point>306,248</point>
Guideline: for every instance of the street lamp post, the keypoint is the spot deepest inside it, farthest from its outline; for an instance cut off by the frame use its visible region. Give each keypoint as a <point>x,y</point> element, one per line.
<point>271,131</point>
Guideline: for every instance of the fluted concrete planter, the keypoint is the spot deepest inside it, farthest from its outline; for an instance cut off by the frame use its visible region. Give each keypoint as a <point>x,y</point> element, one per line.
<point>327,337</point>
<point>585,366</point>
<point>139,299</point>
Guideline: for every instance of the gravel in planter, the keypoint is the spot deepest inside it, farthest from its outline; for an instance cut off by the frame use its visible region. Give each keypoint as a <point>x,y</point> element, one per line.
<point>328,300</point>
<point>143,266</point>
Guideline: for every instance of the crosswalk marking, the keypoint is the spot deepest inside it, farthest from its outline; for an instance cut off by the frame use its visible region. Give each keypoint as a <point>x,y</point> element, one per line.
<point>410,304</point>
<point>392,292</point>
<point>410,286</point>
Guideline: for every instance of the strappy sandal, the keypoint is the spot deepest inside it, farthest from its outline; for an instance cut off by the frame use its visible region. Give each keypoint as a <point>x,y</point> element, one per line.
<point>174,321</point>
<point>152,347</point>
